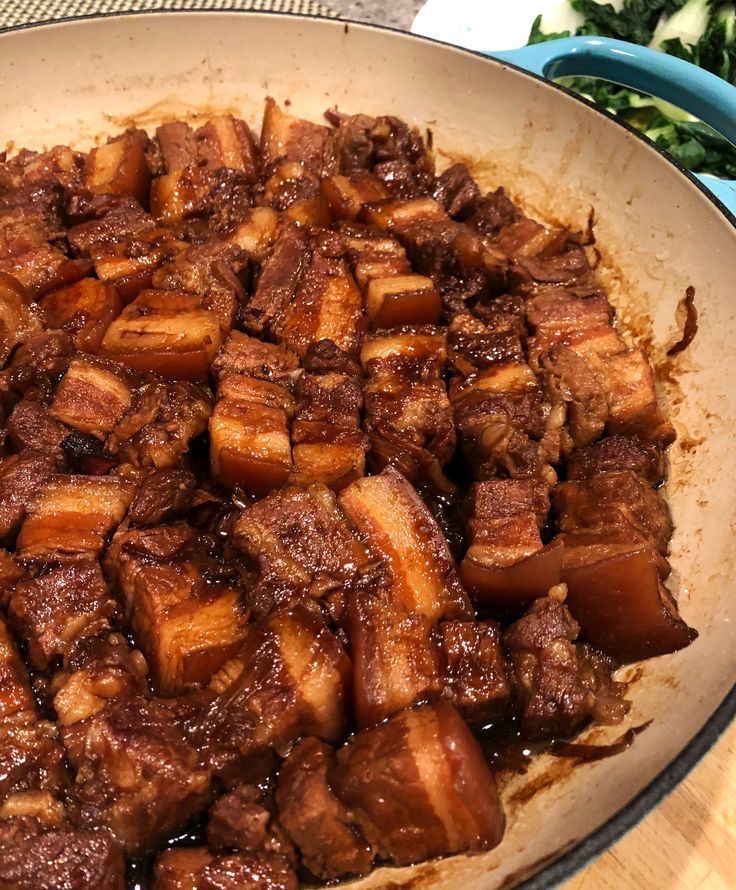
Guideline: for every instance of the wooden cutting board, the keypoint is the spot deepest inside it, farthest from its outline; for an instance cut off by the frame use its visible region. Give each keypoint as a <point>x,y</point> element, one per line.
<point>687,843</point>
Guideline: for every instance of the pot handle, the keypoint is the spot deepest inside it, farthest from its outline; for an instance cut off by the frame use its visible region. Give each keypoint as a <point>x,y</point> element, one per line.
<point>702,94</point>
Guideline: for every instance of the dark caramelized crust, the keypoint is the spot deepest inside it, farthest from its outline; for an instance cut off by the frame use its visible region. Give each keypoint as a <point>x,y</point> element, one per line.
<point>241,354</point>
<point>290,678</point>
<point>196,868</point>
<point>298,536</point>
<point>136,775</point>
<point>329,841</point>
<point>22,476</point>
<point>423,768</point>
<point>52,611</point>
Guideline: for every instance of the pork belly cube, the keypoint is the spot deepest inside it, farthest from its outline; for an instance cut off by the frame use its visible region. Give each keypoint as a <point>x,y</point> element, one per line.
<point>11,572</point>
<point>15,689</point>
<point>257,233</point>
<point>30,426</point>
<point>402,300</point>
<point>31,758</point>
<point>129,265</point>
<point>424,768</point>
<point>167,333</point>
<point>473,345</point>
<point>249,435</point>
<point>186,627</point>
<point>632,400</point>
<point>241,354</point>
<point>555,310</point>
<point>407,355</point>
<point>54,610</point>
<point>100,668</point>
<point>161,423</point>
<point>226,141</point>
<point>136,775</point>
<point>398,528</point>
<point>330,842</point>
<point>616,454</point>
<point>327,303</point>
<point>474,669</point>
<point>395,659</point>
<point>293,139</point>
<point>72,517</point>
<point>291,678</point>
<point>22,476</point>
<point>36,857</point>
<point>210,271</point>
<point>85,310</point>
<point>120,167</point>
<point>92,396</point>
<point>162,495</point>
<point>181,194</point>
<point>347,195</point>
<point>555,690</point>
<point>326,441</point>
<point>291,186</point>
<point>300,536</point>
<point>506,564</point>
<point>279,278</point>
<point>195,868</point>
<point>45,269</point>
<point>620,602</point>
<point>243,820</point>
<point>611,503</point>
<point>374,255</point>
<point>19,319</point>
<point>105,220</point>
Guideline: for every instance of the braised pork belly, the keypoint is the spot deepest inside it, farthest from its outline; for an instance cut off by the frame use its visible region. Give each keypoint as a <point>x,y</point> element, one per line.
<point>321,471</point>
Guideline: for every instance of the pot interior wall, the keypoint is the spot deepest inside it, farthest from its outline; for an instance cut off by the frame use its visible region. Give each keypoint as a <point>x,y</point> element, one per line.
<point>657,232</point>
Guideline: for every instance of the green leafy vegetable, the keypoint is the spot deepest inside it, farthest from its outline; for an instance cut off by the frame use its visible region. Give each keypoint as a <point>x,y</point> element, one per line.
<point>698,31</point>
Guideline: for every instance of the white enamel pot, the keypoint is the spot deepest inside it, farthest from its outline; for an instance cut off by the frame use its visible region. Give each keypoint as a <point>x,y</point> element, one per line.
<point>659,231</point>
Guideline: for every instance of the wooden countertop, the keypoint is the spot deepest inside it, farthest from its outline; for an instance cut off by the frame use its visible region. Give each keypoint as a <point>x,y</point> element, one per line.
<point>687,843</point>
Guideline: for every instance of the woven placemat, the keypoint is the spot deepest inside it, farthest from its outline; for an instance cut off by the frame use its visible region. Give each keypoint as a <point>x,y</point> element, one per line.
<point>19,12</point>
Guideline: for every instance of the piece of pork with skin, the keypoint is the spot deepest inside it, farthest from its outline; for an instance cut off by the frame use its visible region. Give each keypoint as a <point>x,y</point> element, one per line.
<point>209,270</point>
<point>163,419</point>
<point>347,195</point>
<point>72,517</point>
<point>249,433</point>
<point>119,167</point>
<point>393,151</point>
<point>196,868</point>
<point>35,367</point>
<point>395,658</point>
<point>423,767</point>
<point>506,564</point>
<point>298,536</point>
<point>242,354</point>
<point>35,856</point>
<point>327,303</point>
<point>474,670</point>
<point>223,142</point>
<point>255,233</point>
<point>186,625</point>
<point>329,841</point>
<point>579,321</point>
<point>243,819</point>
<point>408,416</point>
<point>27,167</point>
<point>451,253</point>
<point>19,317</point>
<point>285,137</point>
<point>100,668</point>
<point>327,443</point>
<point>616,454</point>
<point>556,689</point>
<point>51,611</point>
<point>22,477</point>
<point>84,310</point>
<point>373,254</point>
<point>290,678</point>
<point>610,503</point>
<point>397,528</point>
<point>136,775</point>
<point>93,395</point>
<point>173,334</point>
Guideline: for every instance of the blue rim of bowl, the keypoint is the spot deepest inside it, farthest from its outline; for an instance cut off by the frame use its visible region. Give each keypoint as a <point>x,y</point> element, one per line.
<point>602,838</point>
